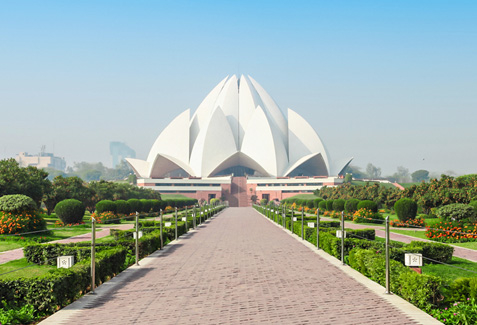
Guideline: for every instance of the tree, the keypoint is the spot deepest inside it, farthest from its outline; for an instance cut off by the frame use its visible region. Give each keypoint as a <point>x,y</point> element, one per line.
<point>420,175</point>
<point>29,181</point>
<point>355,171</point>
<point>402,175</point>
<point>69,188</point>
<point>373,171</point>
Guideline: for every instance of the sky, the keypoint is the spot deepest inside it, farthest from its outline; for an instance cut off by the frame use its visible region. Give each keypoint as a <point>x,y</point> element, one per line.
<point>392,83</point>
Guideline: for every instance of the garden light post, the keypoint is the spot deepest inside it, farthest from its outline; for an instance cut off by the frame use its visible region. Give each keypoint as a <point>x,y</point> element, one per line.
<point>175,219</point>
<point>388,284</point>
<point>93,255</point>
<point>160,226</point>
<point>137,238</point>
<point>193,218</point>
<point>302,223</point>
<point>318,228</point>
<point>292,216</point>
<point>342,237</point>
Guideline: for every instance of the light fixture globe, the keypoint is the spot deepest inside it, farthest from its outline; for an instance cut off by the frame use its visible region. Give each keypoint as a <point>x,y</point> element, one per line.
<point>237,129</point>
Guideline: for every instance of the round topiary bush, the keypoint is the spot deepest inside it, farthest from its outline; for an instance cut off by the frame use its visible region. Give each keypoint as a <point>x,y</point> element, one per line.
<point>18,214</point>
<point>16,203</point>
<point>135,204</point>
<point>338,205</point>
<point>316,203</point>
<point>457,212</point>
<point>406,209</point>
<point>70,211</point>
<point>263,202</point>
<point>309,204</point>
<point>351,205</point>
<point>322,206</point>
<point>368,204</point>
<point>105,205</point>
<point>122,207</point>
<point>329,205</point>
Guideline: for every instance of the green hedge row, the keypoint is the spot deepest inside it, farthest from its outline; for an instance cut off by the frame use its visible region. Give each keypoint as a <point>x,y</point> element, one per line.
<point>58,288</point>
<point>421,290</point>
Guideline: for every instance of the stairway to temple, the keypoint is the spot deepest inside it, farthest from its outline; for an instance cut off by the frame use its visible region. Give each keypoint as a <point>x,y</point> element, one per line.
<point>239,197</point>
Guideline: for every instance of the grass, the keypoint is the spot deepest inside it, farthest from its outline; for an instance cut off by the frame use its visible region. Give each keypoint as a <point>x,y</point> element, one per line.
<point>173,197</point>
<point>24,269</point>
<point>13,242</point>
<point>469,245</point>
<point>412,233</point>
<point>449,272</point>
<point>304,197</point>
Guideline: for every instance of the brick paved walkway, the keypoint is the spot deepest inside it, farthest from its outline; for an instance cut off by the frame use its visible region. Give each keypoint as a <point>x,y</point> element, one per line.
<point>237,268</point>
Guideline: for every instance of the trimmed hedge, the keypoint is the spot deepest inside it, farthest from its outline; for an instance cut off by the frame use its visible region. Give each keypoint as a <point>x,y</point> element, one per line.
<point>339,205</point>
<point>421,290</point>
<point>105,205</point>
<point>123,207</point>
<point>457,212</point>
<point>406,209</point>
<point>322,205</point>
<point>135,204</point>
<point>316,203</point>
<point>351,205</point>
<point>329,205</point>
<point>56,289</point>
<point>70,211</point>
<point>368,204</point>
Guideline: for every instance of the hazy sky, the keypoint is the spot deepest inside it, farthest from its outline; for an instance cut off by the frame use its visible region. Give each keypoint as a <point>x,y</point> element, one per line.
<point>393,83</point>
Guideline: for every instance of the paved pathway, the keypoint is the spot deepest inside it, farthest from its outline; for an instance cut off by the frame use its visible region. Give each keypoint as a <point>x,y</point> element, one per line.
<point>237,268</point>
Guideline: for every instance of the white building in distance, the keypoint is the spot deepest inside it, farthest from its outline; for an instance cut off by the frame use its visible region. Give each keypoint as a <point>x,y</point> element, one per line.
<point>43,160</point>
<point>238,143</point>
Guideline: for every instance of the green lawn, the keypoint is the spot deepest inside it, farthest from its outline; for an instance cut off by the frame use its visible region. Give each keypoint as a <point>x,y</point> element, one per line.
<point>412,233</point>
<point>173,197</point>
<point>304,197</point>
<point>469,245</point>
<point>24,269</point>
<point>10,242</point>
<point>449,272</point>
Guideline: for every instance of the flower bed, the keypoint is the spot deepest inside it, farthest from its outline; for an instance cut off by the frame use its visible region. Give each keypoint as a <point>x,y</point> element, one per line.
<point>408,223</point>
<point>16,223</point>
<point>452,232</point>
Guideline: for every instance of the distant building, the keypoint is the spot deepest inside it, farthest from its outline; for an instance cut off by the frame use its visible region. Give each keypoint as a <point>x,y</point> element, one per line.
<point>42,160</point>
<point>120,151</point>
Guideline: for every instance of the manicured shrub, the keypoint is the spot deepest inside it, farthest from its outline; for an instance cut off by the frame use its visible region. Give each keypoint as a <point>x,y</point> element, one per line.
<point>263,202</point>
<point>156,205</point>
<point>214,201</point>
<point>122,207</point>
<point>406,209</point>
<point>309,204</point>
<point>329,205</point>
<point>322,206</point>
<point>105,205</point>
<point>368,204</point>
<point>70,211</point>
<point>146,205</point>
<point>135,204</point>
<point>351,205</point>
<point>17,203</point>
<point>316,203</point>
<point>436,252</point>
<point>338,205</point>
<point>457,212</point>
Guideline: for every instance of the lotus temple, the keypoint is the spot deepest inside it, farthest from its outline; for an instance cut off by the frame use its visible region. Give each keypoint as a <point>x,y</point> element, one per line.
<point>238,144</point>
